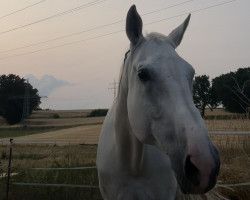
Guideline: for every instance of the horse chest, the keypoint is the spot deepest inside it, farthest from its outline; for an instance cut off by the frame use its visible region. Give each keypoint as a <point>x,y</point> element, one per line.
<point>155,180</point>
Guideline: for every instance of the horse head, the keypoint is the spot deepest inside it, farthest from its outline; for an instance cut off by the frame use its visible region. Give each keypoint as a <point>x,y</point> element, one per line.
<point>160,106</point>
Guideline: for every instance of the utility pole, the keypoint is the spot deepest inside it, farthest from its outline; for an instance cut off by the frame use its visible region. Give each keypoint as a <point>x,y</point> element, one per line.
<point>114,86</point>
<point>26,107</point>
<point>9,170</point>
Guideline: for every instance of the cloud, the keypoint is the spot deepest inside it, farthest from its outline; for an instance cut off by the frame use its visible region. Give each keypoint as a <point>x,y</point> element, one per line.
<point>47,84</point>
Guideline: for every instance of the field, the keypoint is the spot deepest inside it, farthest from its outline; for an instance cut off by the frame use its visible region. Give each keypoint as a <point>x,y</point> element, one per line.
<point>72,128</point>
<point>59,127</point>
<point>220,120</point>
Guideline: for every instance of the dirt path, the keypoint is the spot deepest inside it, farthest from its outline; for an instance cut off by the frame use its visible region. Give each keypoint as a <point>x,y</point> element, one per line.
<point>87,134</point>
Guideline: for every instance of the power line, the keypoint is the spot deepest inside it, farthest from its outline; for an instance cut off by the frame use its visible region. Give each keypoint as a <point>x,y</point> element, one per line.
<point>172,6</point>
<point>14,12</point>
<point>112,33</point>
<point>56,15</point>
<point>92,29</point>
<point>62,45</point>
<point>194,11</point>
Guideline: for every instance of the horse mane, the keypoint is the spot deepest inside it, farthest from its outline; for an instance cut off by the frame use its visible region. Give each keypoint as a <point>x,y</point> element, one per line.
<point>122,69</point>
<point>125,57</point>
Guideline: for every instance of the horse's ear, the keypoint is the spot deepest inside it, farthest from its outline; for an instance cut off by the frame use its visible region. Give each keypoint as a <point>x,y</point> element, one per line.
<point>133,25</point>
<point>177,34</point>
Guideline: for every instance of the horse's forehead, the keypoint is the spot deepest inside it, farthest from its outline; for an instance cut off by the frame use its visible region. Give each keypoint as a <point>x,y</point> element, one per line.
<point>159,53</point>
<point>158,48</point>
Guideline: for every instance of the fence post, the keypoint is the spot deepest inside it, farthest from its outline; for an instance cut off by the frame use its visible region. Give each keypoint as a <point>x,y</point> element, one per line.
<point>9,170</point>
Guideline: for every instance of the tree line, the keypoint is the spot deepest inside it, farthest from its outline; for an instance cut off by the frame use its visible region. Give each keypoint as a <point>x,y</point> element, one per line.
<point>231,90</point>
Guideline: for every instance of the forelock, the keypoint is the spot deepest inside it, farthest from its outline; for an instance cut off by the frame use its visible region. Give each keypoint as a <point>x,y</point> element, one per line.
<point>159,38</point>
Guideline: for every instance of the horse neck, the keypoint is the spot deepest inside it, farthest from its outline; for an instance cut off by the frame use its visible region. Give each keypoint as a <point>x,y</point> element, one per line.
<point>130,149</point>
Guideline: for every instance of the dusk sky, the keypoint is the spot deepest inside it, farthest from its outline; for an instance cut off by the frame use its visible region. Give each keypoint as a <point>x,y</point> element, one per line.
<point>71,53</point>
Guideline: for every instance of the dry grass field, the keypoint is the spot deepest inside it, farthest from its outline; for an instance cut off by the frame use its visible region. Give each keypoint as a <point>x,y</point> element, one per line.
<point>217,112</point>
<point>61,113</point>
<point>87,134</point>
<point>228,125</point>
<point>68,127</point>
<point>58,118</point>
<point>234,153</point>
<point>235,169</point>
<point>76,128</point>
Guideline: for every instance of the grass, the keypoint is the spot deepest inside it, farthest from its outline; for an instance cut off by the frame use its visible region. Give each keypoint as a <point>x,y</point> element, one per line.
<point>61,113</point>
<point>219,112</point>
<point>17,132</point>
<point>235,158</point>
<point>234,152</point>
<point>221,120</point>
<point>48,156</point>
<point>228,125</point>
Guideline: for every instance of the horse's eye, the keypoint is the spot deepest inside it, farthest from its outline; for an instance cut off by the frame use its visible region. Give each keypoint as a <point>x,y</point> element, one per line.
<point>144,75</point>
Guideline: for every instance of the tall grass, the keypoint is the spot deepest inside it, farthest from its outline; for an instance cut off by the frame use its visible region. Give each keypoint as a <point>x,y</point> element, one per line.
<point>228,125</point>
<point>234,153</point>
<point>221,120</point>
<point>235,157</point>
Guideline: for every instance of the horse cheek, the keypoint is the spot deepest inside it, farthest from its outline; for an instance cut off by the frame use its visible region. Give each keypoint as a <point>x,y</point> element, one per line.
<point>138,117</point>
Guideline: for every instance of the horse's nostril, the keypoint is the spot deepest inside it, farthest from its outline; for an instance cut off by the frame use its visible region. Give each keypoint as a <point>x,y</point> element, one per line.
<point>191,171</point>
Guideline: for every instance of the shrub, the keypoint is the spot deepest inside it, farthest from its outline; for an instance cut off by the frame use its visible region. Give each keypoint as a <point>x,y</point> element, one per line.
<point>56,116</point>
<point>98,113</point>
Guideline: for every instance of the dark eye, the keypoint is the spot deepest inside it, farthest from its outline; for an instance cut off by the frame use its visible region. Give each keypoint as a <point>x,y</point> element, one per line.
<point>144,75</point>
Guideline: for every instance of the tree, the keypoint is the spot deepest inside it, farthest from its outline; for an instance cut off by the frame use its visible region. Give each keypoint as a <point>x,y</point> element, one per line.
<point>203,94</point>
<point>98,113</point>
<point>233,90</point>
<point>12,95</point>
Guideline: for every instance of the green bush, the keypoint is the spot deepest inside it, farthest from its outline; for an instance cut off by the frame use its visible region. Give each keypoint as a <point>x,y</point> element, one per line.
<point>98,113</point>
<point>56,116</point>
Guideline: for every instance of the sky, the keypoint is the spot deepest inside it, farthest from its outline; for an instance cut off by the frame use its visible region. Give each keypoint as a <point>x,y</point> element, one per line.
<point>72,51</point>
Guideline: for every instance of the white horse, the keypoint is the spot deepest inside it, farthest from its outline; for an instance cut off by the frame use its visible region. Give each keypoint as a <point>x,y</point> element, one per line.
<point>153,140</point>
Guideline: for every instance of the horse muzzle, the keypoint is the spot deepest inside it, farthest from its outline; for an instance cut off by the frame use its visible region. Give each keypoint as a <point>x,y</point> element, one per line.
<point>200,173</point>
